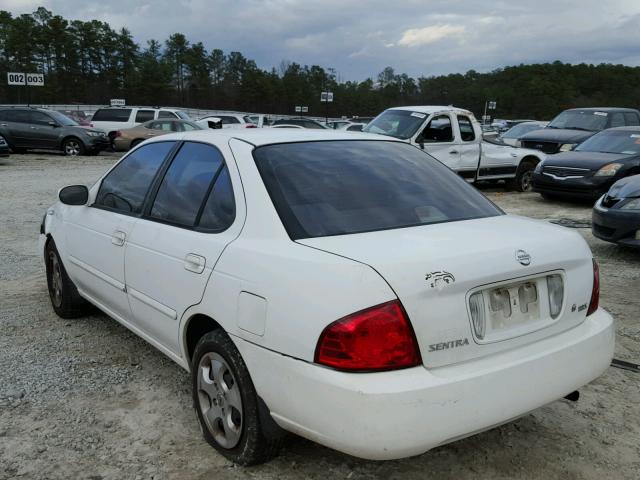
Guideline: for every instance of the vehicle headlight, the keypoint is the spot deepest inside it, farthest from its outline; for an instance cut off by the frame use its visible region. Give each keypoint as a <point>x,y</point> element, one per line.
<point>633,204</point>
<point>608,170</point>
<point>566,147</point>
<point>94,134</point>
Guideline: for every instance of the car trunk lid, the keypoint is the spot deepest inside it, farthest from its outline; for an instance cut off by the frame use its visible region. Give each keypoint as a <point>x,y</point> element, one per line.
<point>433,269</point>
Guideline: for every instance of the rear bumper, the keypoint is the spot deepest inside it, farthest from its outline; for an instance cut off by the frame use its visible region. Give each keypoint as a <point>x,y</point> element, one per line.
<point>617,226</point>
<point>587,188</point>
<point>390,415</point>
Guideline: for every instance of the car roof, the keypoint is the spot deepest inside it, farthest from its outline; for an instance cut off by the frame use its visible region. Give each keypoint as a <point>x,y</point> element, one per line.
<point>601,109</point>
<point>627,128</point>
<point>429,109</point>
<point>269,136</point>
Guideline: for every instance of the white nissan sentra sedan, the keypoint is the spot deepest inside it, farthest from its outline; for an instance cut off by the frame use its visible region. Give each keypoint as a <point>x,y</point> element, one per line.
<point>345,287</point>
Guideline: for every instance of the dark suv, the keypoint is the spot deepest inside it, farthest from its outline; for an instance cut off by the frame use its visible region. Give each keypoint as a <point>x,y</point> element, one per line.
<point>574,126</point>
<point>37,128</point>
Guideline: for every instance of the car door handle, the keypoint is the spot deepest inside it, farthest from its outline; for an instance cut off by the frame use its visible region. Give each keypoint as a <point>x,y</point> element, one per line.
<point>3,124</point>
<point>33,128</point>
<point>118,238</point>
<point>194,263</point>
<point>453,152</point>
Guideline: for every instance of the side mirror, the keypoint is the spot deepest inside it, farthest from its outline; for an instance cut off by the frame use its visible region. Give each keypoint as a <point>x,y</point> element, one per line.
<point>420,141</point>
<point>214,123</point>
<point>53,124</point>
<point>74,195</point>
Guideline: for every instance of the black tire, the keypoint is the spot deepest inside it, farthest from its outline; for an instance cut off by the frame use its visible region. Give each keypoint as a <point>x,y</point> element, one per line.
<point>524,177</point>
<point>65,299</point>
<point>73,147</point>
<point>255,441</point>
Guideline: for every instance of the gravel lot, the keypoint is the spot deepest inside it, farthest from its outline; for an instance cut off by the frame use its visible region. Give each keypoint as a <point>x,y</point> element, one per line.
<point>88,399</point>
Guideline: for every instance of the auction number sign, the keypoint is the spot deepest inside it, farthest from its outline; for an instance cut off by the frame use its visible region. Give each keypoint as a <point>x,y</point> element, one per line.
<point>21,78</point>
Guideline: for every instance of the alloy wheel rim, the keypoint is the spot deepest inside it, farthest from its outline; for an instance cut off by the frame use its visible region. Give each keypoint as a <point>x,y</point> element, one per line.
<point>526,181</point>
<point>219,400</point>
<point>56,280</point>
<point>72,148</point>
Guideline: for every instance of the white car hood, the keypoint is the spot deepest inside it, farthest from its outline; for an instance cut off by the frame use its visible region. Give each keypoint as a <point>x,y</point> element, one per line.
<point>475,253</point>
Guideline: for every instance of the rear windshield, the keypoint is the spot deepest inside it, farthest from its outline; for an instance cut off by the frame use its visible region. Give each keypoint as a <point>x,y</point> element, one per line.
<point>112,115</point>
<point>396,123</point>
<point>351,186</point>
<point>612,141</point>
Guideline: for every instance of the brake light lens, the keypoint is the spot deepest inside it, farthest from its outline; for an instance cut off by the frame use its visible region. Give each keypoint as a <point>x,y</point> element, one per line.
<point>376,339</point>
<point>595,291</point>
<point>250,125</point>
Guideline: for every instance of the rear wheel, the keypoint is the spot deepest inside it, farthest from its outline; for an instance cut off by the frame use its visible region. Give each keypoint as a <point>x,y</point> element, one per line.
<point>227,404</point>
<point>65,299</point>
<point>73,147</point>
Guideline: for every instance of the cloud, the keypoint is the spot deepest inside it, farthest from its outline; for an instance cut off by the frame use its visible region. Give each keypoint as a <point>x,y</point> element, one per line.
<point>415,37</point>
<point>359,39</point>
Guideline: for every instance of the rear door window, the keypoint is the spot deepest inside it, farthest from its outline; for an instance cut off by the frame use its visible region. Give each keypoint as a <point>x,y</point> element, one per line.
<point>144,115</point>
<point>228,120</point>
<point>631,119</point>
<point>112,115</point>
<point>125,187</point>
<point>220,209</point>
<point>352,186</point>
<point>186,184</point>
<point>19,116</point>
<point>466,129</point>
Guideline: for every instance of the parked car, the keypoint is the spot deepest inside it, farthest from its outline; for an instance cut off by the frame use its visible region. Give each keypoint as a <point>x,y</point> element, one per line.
<point>592,167</point>
<point>364,120</point>
<point>455,137</point>
<point>4,147</point>
<point>303,122</point>
<point>228,120</point>
<point>112,119</point>
<point>512,135</point>
<point>38,128</point>
<point>616,215</point>
<point>574,126</point>
<point>345,287</point>
<point>130,137</point>
<point>338,124</point>
<point>80,117</point>
<point>353,127</point>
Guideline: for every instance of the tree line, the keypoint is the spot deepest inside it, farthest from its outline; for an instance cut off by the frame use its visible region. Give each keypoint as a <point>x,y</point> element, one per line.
<point>89,62</point>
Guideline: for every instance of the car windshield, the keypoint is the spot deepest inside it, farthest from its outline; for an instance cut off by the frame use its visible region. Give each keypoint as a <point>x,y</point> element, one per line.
<point>580,120</point>
<point>62,119</point>
<point>612,141</point>
<point>182,115</point>
<point>396,123</point>
<point>519,130</point>
<point>343,187</point>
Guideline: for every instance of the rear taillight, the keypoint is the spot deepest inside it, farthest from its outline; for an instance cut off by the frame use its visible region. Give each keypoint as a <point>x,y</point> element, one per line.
<point>595,291</point>
<point>378,338</point>
<point>250,125</point>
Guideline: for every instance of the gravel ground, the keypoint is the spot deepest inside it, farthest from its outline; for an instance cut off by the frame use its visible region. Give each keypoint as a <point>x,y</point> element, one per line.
<point>87,399</point>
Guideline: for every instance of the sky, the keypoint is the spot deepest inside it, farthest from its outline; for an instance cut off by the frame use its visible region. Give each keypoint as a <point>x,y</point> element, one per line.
<point>360,38</point>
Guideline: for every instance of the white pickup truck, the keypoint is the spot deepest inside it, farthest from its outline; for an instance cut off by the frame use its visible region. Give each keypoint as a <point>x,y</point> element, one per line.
<point>453,136</point>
